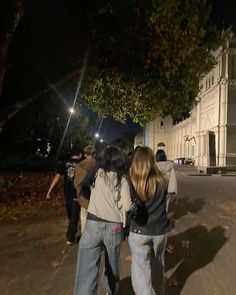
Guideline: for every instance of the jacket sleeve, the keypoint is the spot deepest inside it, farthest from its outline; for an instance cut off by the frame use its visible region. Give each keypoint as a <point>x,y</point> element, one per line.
<point>87,183</point>
<point>80,174</point>
<point>172,186</point>
<point>125,199</point>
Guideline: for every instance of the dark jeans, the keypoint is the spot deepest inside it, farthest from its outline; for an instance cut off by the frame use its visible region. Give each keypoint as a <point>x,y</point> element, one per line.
<point>73,212</point>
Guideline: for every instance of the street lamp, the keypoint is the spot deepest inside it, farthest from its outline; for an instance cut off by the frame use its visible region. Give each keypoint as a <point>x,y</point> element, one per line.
<point>97,135</point>
<point>71,110</point>
<point>101,140</point>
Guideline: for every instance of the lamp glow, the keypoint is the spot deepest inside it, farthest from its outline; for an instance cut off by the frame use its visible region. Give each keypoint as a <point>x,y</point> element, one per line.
<point>71,110</point>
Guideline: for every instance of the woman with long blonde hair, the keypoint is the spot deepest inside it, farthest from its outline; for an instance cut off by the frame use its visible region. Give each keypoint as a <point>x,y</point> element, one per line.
<point>148,241</point>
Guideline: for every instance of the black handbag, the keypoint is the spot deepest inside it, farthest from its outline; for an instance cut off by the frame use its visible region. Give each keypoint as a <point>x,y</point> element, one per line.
<point>139,212</point>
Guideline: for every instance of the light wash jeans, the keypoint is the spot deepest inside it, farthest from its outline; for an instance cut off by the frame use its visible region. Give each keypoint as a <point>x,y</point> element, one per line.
<point>98,236</point>
<point>147,266</point>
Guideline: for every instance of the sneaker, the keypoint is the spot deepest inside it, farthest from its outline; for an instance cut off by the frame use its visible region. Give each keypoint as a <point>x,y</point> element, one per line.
<point>69,243</point>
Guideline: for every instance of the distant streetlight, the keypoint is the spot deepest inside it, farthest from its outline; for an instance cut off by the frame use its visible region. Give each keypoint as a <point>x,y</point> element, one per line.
<point>71,110</point>
<point>97,135</point>
<point>101,140</point>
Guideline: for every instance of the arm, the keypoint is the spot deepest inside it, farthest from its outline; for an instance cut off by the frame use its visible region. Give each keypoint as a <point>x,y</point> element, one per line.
<point>87,183</point>
<point>54,182</point>
<point>172,186</point>
<point>125,200</point>
<point>80,174</point>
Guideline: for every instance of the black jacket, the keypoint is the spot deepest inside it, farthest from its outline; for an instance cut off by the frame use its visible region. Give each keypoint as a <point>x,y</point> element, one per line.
<point>158,223</point>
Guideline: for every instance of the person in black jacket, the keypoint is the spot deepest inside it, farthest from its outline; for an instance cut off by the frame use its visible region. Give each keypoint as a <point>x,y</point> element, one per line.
<point>67,171</point>
<point>148,241</point>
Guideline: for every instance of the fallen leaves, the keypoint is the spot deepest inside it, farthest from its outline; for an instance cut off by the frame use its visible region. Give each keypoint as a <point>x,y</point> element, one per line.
<point>185,244</point>
<point>172,283</point>
<point>56,264</point>
<point>228,206</point>
<point>170,249</point>
<point>23,196</point>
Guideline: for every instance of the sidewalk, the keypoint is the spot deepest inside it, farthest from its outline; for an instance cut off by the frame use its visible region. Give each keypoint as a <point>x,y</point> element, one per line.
<point>200,257</point>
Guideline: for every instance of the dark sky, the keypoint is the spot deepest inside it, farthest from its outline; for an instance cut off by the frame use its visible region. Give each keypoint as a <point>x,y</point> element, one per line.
<point>223,12</point>
<point>111,129</point>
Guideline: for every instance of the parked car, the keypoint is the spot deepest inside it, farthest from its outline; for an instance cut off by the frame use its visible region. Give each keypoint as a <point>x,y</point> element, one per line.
<point>189,161</point>
<point>179,161</point>
<point>185,161</point>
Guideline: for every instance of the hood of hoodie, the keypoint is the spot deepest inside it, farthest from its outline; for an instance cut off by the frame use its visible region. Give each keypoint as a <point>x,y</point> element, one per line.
<point>165,166</point>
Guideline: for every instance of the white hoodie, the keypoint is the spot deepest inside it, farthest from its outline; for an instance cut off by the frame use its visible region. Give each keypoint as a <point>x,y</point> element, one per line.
<point>106,201</point>
<point>167,168</point>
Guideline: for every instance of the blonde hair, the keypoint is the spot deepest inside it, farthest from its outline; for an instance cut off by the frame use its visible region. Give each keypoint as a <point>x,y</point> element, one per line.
<point>145,174</point>
<point>89,150</point>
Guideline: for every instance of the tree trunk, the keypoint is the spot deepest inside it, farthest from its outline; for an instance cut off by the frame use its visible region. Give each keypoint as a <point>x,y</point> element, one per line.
<point>11,14</point>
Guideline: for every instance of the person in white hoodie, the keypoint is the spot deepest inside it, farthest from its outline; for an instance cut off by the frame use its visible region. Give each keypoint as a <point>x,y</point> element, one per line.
<point>167,168</point>
<point>109,201</point>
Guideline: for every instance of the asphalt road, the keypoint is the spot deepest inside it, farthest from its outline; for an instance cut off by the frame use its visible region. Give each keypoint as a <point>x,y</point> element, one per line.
<point>200,256</point>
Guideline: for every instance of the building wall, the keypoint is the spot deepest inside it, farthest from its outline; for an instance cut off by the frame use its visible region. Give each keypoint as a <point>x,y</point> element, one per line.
<point>212,122</point>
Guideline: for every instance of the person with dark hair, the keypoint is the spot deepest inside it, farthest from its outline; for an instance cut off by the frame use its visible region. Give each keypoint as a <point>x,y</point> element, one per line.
<point>167,168</point>
<point>67,170</point>
<point>109,202</point>
<point>161,156</point>
<point>148,240</point>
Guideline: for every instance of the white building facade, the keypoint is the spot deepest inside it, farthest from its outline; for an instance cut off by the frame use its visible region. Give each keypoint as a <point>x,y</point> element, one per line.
<point>209,134</point>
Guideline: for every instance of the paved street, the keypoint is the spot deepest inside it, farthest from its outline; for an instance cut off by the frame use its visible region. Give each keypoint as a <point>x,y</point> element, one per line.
<point>200,257</point>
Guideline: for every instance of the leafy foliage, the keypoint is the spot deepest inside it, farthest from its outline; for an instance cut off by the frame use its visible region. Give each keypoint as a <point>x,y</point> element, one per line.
<point>147,56</point>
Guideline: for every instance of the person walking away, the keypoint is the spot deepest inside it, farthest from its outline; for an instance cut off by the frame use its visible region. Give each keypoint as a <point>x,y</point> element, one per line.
<point>81,170</point>
<point>67,171</point>
<point>109,202</point>
<point>167,168</point>
<point>147,242</point>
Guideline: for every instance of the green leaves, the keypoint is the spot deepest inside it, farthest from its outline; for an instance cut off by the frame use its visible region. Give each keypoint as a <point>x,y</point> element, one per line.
<point>150,56</point>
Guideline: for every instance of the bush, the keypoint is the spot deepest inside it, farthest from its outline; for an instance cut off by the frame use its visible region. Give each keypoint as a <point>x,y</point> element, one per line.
<point>32,163</point>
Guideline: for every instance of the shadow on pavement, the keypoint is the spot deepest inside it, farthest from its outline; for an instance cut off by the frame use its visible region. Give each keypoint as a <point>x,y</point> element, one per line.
<point>182,206</point>
<point>191,250</point>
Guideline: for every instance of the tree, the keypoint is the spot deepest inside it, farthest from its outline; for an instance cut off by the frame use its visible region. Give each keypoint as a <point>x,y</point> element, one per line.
<point>145,56</point>
<point>46,126</point>
<point>11,12</point>
<point>149,55</point>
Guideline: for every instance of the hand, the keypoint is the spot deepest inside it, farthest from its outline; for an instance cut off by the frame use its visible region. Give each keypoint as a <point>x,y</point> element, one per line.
<point>48,196</point>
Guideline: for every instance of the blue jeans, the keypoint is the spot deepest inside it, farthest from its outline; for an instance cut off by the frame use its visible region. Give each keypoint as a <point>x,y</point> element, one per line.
<point>147,266</point>
<point>98,236</point>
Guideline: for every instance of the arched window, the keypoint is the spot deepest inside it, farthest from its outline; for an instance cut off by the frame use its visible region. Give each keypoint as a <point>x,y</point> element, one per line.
<point>161,145</point>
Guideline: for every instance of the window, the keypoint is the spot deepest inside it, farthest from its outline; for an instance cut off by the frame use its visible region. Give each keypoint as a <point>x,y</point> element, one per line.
<point>161,145</point>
